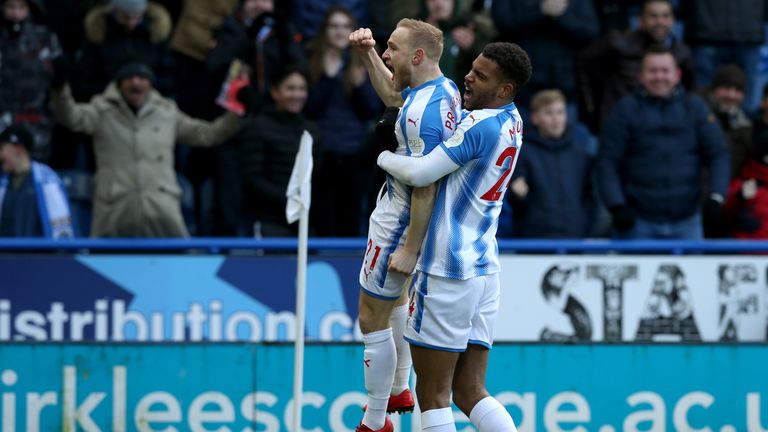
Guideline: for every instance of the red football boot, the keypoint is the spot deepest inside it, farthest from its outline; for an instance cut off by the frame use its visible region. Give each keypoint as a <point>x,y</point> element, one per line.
<point>388,427</point>
<point>401,404</point>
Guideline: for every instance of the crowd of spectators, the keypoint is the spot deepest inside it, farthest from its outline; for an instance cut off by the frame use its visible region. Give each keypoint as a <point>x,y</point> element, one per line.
<point>644,118</point>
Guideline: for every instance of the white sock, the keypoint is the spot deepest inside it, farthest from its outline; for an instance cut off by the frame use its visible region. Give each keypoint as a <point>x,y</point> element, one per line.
<point>491,416</point>
<point>438,420</point>
<point>380,357</point>
<point>398,321</point>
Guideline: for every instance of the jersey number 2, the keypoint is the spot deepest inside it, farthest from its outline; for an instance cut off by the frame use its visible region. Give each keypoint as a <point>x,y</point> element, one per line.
<point>495,192</point>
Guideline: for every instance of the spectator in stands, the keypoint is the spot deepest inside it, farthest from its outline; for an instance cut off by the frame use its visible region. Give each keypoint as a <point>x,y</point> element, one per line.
<point>465,35</point>
<point>343,104</point>
<point>121,31</point>
<point>552,32</point>
<point>27,50</point>
<point>259,38</point>
<point>746,209</point>
<point>264,40</point>
<point>135,129</point>
<point>725,97</point>
<point>551,191</point>
<point>609,67</point>
<point>33,202</point>
<point>268,145</point>
<point>654,146</point>
<point>307,15</point>
<point>724,32</point>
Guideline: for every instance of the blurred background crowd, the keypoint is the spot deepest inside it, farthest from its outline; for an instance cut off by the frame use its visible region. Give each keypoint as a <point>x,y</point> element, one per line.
<point>643,119</point>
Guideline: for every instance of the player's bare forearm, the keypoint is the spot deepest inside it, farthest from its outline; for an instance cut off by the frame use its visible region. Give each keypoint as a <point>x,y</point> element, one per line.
<point>422,202</point>
<point>404,259</point>
<point>381,77</point>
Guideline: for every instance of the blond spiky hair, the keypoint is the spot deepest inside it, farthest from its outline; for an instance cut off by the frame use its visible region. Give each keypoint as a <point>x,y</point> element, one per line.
<point>424,36</point>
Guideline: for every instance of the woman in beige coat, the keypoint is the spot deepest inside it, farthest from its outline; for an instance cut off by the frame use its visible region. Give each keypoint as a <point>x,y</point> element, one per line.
<point>134,132</point>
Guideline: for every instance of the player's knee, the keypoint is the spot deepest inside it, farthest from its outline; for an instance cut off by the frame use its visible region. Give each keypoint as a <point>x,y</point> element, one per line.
<point>432,395</point>
<point>466,396</point>
<point>373,317</point>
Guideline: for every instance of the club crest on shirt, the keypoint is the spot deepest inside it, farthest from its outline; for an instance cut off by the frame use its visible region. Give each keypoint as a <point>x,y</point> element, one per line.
<point>416,145</point>
<point>456,139</point>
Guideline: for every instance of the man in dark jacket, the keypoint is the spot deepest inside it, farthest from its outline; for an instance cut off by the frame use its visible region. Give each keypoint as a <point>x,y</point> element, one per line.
<point>655,145</point>
<point>27,51</point>
<point>608,68</point>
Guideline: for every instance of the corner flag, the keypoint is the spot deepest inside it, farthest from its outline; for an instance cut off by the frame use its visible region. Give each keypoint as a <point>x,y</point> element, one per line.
<point>299,191</point>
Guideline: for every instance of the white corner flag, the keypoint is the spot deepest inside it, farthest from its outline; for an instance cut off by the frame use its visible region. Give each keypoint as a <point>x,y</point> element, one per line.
<point>299,195</point>
<point>299,191</point>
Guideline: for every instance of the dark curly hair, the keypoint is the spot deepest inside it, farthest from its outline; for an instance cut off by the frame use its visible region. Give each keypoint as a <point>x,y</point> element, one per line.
<point>513,61</point>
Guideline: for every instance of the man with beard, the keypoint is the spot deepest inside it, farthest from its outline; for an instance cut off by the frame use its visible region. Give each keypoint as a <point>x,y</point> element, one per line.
<point>430,111</point>
<point>455,295</point>
<point>134,131</point>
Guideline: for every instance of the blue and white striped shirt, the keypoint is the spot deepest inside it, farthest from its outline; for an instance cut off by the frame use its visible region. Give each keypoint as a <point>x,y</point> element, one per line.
<point>461,239</point>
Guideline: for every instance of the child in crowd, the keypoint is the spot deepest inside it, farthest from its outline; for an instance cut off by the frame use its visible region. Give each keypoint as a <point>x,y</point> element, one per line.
<point>551,188</point>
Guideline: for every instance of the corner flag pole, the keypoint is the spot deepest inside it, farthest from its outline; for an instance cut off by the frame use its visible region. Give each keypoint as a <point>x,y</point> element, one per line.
<point>301,291</point>
<point>299,195</point>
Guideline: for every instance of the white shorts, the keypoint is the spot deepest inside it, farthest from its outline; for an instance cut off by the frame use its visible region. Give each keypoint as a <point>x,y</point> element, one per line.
<point>449,314</point>
<point>387,228</point>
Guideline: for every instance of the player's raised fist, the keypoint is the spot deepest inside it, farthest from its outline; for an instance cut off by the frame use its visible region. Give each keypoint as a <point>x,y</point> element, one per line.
<point>362,38</point>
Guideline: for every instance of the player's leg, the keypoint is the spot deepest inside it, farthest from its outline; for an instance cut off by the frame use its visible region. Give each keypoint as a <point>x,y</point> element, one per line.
<point>469,378</point>
<point>379,292</point>
<point>470,395</point>
<point>401,399</point>
<point>434,369</point>
<point>469,392</point>
<point>379,357</point>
